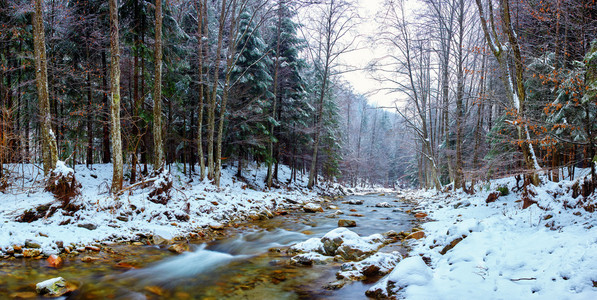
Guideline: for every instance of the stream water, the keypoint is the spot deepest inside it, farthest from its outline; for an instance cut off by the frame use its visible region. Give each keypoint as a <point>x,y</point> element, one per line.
<point>244,264</point>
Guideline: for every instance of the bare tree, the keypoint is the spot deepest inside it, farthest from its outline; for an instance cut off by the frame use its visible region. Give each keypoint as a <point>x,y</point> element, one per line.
<point>333,25</point>
<point>506,49</point>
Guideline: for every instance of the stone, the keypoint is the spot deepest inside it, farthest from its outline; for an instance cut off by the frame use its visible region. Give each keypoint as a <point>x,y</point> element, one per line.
<point>356,215</point>
<point>416,235</point>
<point>312,207</point>
<point>311,258</point>
<point>354,252</point>
<point>216,226</point>
<point>92,248</point>
<point>89,259</point>
<point>17,248</point>
<point>54,261</point>
<point>124,265</point>
<point>384,204</point>
<point>492,197</point>
<point>391,234</point>
<point>336,285</point>
<point>31,252</point>
<point>179,248</point>
<point>60,244</point>
<point>54,287</point>
<point>420,215</point>
<point>88,226</point>
<point>159,240</point>
<point>451,245</point>
<point>354,202</point>
<point>31,244</point>
<point>347,223</point>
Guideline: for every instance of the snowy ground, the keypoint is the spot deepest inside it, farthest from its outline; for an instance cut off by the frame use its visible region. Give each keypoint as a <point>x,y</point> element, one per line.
<point>507,252</point>
<point>193,206</point>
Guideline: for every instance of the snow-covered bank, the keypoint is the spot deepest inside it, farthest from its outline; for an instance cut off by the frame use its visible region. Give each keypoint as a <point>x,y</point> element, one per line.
<point>497,250</point>
<point>193,206</point>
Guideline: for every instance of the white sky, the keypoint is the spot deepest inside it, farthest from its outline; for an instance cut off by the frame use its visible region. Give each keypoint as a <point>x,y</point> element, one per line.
<point>361,80</point>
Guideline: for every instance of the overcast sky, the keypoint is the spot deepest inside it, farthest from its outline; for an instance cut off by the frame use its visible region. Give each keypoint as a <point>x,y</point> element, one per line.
<point>361,80</point>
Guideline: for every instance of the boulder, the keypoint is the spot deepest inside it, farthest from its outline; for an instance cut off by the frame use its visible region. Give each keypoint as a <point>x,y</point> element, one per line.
<point>54,287</point>
<point>312,207</point>
<point>347,223</point>
<point>333,239</point>
<point>384,204</point>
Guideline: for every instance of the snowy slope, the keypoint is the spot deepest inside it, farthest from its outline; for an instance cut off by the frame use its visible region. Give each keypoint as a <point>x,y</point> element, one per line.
<point>508,252</point>
<point>194,205</point>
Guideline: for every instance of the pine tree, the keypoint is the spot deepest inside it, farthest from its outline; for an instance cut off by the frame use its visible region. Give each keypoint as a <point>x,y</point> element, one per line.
<point>250,88</point>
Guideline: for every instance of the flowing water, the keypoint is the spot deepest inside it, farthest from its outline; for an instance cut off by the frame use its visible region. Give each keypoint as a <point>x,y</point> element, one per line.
<point>246,263</point>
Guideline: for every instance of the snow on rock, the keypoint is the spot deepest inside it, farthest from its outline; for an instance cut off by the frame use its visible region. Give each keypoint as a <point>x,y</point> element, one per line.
<point>310,245</point>
<point>52,287</point>
<point>342,242</point>
<point>312,207</point>
<point>374,265</point>
<point>411,271</point>
<point>310,258</point>
<point>384,204</point>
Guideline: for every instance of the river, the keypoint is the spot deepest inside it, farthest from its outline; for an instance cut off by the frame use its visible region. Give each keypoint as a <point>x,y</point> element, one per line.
<point>247,262</point>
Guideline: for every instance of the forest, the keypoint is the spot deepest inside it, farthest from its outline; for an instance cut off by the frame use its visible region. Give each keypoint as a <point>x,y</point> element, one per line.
<point>236,82</point>
<point>286,149</point>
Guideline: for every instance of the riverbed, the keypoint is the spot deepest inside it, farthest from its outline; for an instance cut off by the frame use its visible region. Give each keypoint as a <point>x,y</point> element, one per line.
<point>246,262</point>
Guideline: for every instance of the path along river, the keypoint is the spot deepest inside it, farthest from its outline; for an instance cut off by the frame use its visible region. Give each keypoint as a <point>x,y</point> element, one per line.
<point>243,264</point>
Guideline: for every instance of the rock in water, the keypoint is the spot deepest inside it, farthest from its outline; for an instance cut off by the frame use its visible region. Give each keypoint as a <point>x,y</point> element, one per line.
<point>54,261</point>
<point>54,287</point>
<point>312,208</point>
<point>354,202</point>
<point>383,204</point>
<point>347,223</point>
<point>179,248</point>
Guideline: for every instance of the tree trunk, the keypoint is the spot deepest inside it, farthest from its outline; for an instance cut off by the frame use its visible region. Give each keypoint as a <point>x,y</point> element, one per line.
<point>117,174</point>
<point>157,94</point>
<point>202,34</point>
<point>106,127</point>
<point>49,148</point>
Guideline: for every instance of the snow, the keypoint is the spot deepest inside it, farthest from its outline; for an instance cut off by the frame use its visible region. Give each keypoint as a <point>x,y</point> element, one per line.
<point>385,261</point>
<point>547,251</point>
<point>193,206</point>
<point>310,245</point>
